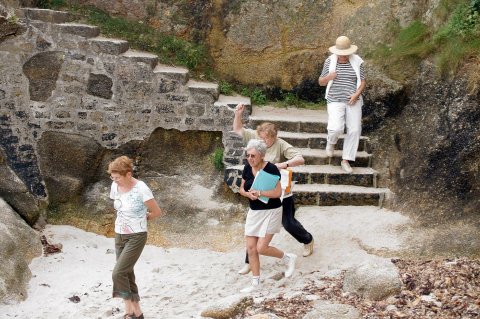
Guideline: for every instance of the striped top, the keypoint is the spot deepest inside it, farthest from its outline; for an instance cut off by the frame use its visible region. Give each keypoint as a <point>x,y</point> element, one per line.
<point>345,84</point>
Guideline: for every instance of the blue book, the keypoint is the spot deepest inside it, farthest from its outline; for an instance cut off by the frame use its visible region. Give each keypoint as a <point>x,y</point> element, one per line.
<point>264,182</point>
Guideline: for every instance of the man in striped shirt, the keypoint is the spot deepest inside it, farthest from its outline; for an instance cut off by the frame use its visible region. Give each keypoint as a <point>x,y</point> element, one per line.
<point>343,74</point>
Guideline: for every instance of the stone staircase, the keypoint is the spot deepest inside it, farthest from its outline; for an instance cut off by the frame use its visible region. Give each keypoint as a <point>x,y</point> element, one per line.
<point>321,181</point>
<point>62,22</point>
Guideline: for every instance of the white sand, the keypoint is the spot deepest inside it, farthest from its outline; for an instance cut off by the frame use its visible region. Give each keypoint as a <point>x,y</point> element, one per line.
<point>180,283</point>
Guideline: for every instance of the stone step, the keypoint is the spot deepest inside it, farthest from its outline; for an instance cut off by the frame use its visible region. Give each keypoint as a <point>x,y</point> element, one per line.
<point>203,92</point>
<point>140,56</point>
<point>45,15</point>
<point>336,195</point>
<point>326,174</point>
<point>319,157</point>
<point>291,119</point>
<point>174,73</point>
<point>329,174</point>
<point>82,30</point>
<point>108,45</point>
<point>317,140</point>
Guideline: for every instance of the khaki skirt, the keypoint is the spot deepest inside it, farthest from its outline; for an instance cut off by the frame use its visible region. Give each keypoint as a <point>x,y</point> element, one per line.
<point>262,222</point>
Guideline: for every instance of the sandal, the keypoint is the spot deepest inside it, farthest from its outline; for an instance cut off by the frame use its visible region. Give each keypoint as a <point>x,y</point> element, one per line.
<point>129,316</point>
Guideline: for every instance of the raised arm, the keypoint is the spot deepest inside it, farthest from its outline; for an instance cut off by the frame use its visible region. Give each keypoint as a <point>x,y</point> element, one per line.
<point>237,120</point>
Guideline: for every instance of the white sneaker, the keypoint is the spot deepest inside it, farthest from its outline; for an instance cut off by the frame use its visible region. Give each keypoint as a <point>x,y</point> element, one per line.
<point>346,166</point>
<point>245,269</point>
<point>292,258</point>
<point>329,149</point>
<point>254,286</point>
<point>308,249</point>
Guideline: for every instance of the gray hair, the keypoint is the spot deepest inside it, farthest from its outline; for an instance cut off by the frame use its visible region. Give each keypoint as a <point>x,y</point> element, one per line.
<point>258,145</point>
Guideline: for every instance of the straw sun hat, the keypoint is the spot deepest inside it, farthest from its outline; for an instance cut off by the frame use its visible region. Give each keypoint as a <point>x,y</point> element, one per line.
<point>343,46</point>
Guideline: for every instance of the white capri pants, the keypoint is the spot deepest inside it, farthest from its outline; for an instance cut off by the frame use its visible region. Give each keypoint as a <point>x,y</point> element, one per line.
<point>339,115</point>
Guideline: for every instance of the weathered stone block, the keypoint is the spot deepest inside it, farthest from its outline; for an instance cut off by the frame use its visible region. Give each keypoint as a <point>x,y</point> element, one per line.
<point>60,125</point>
<point>45,15</point>
<point>42,72</point>
<point>83,30</point>
<point>109,46</point>
<point>100,85</point>
<point>207,122</point>
<point>167,86</point>
<point>87,127</point>
<point>195,109</point>
<point>62,114</point>
<point>42,115</point>
<point>177,97</point>
<point>108,136</point>
<point>165,109</point>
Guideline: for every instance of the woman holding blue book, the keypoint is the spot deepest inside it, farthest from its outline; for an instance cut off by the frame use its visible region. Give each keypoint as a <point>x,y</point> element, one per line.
<point>261,185</point>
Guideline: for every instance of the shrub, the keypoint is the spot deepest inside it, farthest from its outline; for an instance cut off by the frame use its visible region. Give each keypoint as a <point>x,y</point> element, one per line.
<point>217,159</point>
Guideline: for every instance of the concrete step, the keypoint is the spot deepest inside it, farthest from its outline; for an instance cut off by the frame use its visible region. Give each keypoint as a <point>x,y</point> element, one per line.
<point>82,30</point>
<point>329,174</point>
<point>291,119</point>
<point>45,15</point>
<point>317,140</point>
<point>108,45</point>
<point>336,195</point>
<point>140,56</point>
<point>326,174</point>
<point>174,73</point>
<point>319,157</point>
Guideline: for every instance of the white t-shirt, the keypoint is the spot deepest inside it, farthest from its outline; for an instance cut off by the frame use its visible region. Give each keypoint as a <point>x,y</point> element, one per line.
<point>130,207</point>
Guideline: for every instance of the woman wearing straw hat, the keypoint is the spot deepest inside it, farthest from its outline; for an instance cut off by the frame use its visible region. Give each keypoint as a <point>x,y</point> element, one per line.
<point>343,74</point>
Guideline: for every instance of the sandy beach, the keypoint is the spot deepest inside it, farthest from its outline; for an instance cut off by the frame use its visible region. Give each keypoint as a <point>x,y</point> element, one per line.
<point>180,283</point>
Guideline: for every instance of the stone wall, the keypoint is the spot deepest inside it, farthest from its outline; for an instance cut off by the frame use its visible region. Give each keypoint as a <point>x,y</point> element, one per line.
<point>62,77</point>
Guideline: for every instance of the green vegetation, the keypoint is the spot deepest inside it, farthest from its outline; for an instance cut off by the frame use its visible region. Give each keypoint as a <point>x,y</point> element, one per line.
<point>453,43</point>
<point>217,158</point>
<point>257,95</point>
<point>50,4</point>
<point>170,49</point>
<point>141,36</point>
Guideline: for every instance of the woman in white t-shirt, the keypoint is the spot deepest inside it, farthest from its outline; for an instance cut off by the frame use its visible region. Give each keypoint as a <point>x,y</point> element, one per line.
<point>134,203</point>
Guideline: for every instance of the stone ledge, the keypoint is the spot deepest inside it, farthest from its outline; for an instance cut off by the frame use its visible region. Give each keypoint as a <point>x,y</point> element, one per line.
<point>45,15</point>
<point>109,46</point>
<point>173,73</point>
<point>82,30</point>
<point>140,56</point>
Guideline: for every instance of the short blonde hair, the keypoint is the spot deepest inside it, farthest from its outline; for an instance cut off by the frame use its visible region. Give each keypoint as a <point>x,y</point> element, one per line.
<point>268,128</point>
<point>121,165</point>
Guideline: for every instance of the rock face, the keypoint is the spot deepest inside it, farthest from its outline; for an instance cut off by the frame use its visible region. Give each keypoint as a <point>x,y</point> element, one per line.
<point>374,281</point>
<point>274,43</point>
<point>16,193</point>
<point>19,244</point>
<point>431,150</point>
<point>68,163</point>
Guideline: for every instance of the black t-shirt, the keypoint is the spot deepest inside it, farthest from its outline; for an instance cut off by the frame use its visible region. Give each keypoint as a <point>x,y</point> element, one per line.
<point>248,176</point>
